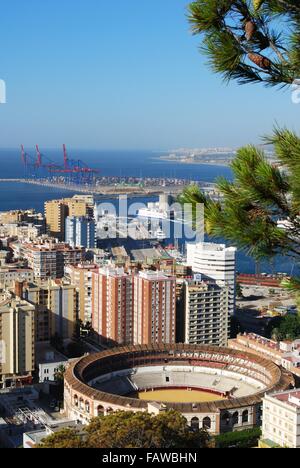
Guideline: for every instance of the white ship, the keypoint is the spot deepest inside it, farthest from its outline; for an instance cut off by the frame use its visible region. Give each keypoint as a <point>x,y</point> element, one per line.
<point>151,213</point>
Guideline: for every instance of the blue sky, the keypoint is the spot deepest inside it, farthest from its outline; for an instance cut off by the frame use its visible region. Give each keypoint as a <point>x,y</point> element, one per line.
<point>122,74</point>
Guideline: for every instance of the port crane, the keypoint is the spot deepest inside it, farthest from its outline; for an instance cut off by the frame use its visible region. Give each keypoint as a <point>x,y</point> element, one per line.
<point>40,166</point>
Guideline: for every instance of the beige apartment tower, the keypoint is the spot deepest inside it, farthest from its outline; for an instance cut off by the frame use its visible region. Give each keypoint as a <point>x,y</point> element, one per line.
<point>81,276</point>
<point>57,308</point>
<point>17,341</point>
<point>57,211</point>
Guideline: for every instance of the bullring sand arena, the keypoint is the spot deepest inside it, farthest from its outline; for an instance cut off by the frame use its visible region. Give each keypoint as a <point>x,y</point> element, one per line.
<point>216,388</point>
<point>178,396</point>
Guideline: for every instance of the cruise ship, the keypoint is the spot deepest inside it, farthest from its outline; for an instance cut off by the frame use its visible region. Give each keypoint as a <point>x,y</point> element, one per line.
<point>152,213</point>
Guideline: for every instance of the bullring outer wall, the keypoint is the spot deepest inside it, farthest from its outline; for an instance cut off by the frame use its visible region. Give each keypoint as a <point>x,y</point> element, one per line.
<point>83,402</point>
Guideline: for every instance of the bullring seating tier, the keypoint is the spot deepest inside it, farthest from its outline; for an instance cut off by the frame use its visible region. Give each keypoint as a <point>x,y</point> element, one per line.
<point>129,381</point>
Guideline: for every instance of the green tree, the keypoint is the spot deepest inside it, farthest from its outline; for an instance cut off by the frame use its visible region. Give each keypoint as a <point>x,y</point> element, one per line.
<point>65,439</point>
<point>241,440</point>
<point>251,41</point>
<point>133,430</point>
<point>59,379</point>
<point>288,329</point>
<point>60,373</point>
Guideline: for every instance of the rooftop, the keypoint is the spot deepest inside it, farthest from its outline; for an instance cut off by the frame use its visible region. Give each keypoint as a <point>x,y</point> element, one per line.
<point>46,354</point>
<point>154,276</point>
<point>260,340</point>
<point>291,398</point>
<point>212,247</point>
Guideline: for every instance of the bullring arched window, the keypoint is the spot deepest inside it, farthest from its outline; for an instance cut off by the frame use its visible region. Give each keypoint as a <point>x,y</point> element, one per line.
<point>195,424</point>
<point>206,423</point>
<point>100,410</point>
<point>226,417</point>
<point>76,401</point>
<point>245,416</point>
<point>87,407</point>
<point>235,418</point>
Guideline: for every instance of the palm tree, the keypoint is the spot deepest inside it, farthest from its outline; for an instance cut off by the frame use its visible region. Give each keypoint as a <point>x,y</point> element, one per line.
<point>60,374</point>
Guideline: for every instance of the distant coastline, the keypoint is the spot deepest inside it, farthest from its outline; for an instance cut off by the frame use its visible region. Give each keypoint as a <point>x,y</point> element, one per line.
<point>204,162</point>
<point>222,157</point>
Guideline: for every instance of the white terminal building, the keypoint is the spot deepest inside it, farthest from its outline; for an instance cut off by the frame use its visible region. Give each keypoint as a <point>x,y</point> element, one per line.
<point>215,262</point>
<point>281,420</point>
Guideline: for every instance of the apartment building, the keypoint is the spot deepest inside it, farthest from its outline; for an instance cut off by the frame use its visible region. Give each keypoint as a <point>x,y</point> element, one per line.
<point>112,305</point>
<point>17,341</point>
<point>206,313</point>
<point>24,232</point>
<point>80,232</point>
<point>154,308</point>
<point>284,353</point>
<point>9,275</point>
<point>22,216</point>
<point>49,259</point>
<point>81,276</point>
<point>57,211</point>
<point>56,303</point>
<point>281,420</point>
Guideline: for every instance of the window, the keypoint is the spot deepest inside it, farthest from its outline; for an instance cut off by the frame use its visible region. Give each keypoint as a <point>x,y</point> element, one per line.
<point>206,423</point>
<point>245,417</point>
<point>195,424</point>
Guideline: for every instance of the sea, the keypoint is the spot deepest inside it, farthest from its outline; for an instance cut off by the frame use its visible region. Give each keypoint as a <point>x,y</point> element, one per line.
<point>124,164</point>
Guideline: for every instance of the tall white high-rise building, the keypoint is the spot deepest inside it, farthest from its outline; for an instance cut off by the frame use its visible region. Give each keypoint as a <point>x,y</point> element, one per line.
<point>215,262</point>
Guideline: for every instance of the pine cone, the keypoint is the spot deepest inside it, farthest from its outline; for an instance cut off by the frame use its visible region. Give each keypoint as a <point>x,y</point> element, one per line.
<point>257,213</point>
<point>250,29</point>
<point>260,61</point>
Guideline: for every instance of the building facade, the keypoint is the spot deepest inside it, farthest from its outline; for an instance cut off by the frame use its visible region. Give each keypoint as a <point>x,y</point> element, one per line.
<point>57,211</point>
<point>154,308</point>
<point>281,420</point>
<point>284,353</point>
<point>57,308</point>
<point>112,305</point>
<point>80,232</point>
<point>9,276</point>
<point>81,276</point>
<point>49,259</point>
<point>17,340</point>
<point>207,318</point>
